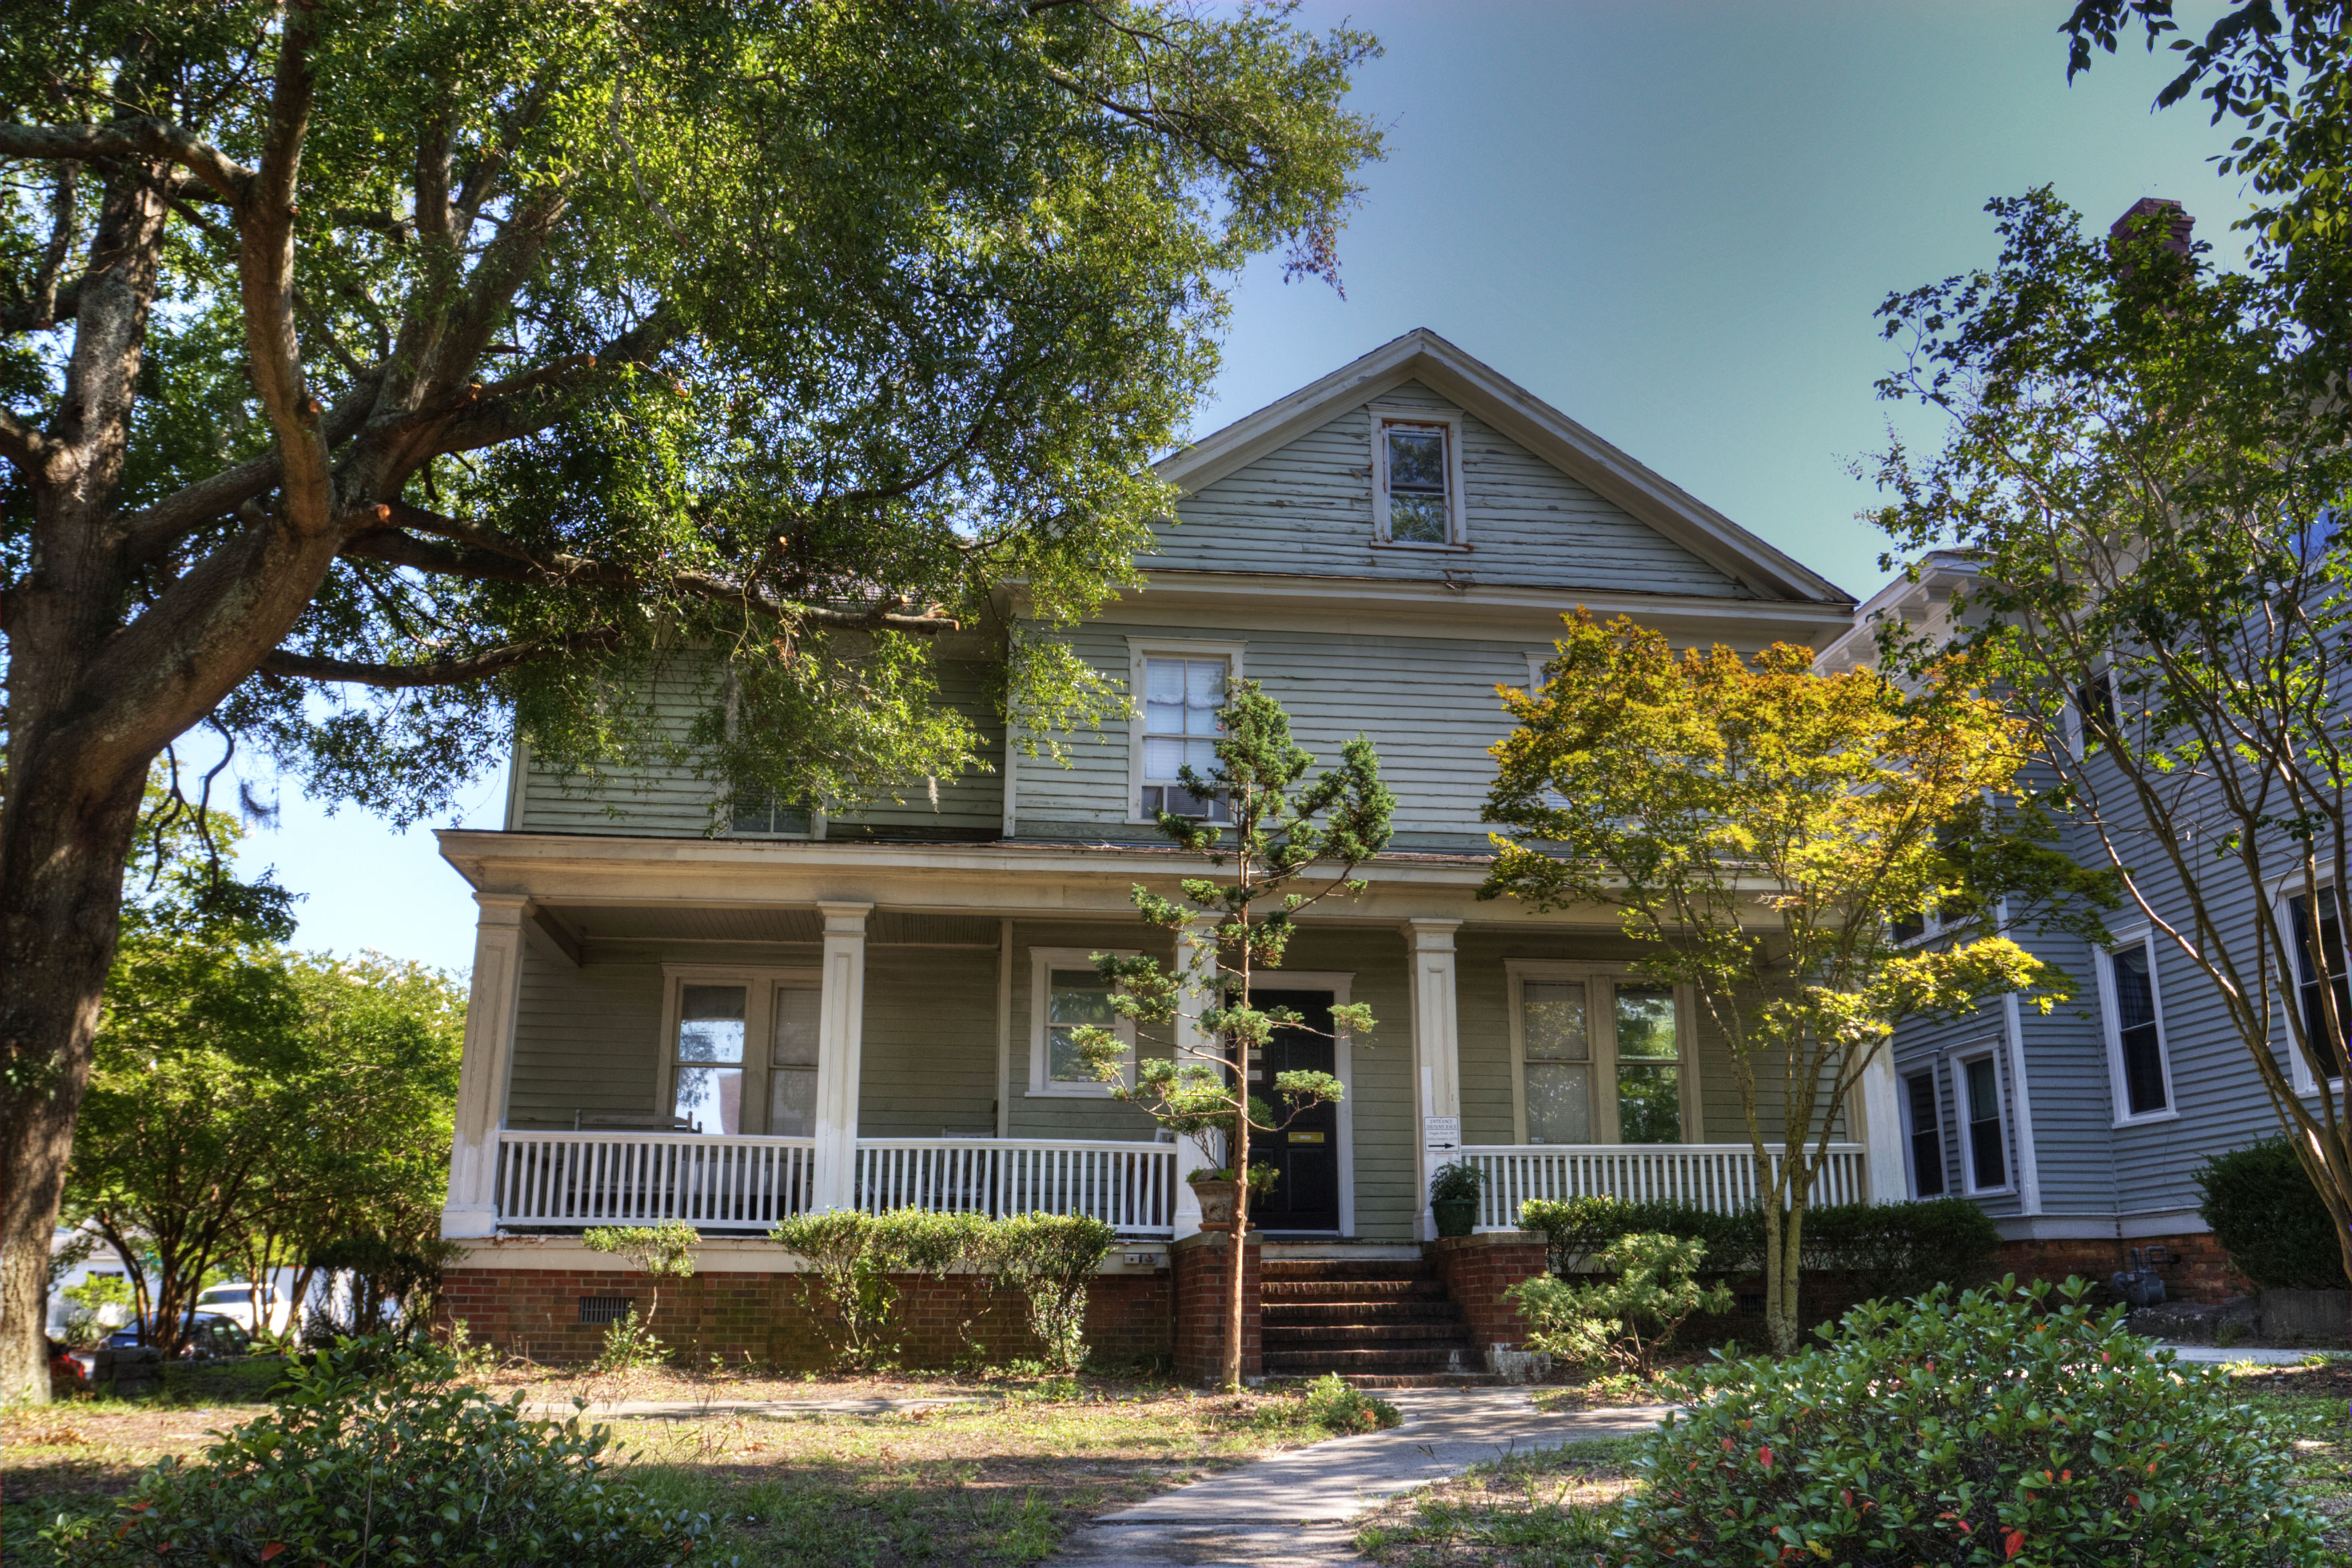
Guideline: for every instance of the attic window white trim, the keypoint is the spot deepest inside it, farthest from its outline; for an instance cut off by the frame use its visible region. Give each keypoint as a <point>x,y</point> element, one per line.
<point>1457,530</point>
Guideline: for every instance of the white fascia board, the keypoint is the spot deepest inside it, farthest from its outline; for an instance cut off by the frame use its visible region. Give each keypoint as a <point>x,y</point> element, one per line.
<point>1422,355</point>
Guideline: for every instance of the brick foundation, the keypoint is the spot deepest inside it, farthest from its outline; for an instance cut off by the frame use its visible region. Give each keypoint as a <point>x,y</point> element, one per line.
<point>782,1321</point>
<point>2195,1268</point>
<point>1477,1269</point>
<point>1204,1274</point>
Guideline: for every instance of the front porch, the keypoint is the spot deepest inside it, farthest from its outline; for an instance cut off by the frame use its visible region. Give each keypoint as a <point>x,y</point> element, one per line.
<point>714,1032</point>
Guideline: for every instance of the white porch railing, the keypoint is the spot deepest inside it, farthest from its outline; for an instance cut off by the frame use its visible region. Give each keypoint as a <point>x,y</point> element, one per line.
<point>1720,1177</point>
<point>643,1178</point>
<point>1130,1186</point>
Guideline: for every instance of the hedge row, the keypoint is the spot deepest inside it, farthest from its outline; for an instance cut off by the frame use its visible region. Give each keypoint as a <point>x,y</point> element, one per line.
<point>1889,1249</point>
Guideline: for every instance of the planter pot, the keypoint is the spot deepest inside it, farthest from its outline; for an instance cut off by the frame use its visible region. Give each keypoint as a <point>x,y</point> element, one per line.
<point>1216,1204</point>
<point>1455,1217</point>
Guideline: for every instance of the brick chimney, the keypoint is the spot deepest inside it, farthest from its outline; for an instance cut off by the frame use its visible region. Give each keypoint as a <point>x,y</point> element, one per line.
<point>2178,223</point>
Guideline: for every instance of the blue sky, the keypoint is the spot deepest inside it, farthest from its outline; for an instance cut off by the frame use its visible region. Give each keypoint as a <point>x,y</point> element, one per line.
<point>1671,219</point>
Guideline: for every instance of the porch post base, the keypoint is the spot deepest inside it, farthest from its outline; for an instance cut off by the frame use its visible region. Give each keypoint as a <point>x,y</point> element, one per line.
<point>466,1221</point>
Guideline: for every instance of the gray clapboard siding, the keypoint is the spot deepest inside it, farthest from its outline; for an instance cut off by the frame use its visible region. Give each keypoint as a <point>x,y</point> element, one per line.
<point>1307,509</point>
<point>586,1039</point>
<point>928,1067</point>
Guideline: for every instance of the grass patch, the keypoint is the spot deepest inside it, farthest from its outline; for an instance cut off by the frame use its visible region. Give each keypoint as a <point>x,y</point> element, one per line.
<point>996,1482</point>
<point>1538,1509</point>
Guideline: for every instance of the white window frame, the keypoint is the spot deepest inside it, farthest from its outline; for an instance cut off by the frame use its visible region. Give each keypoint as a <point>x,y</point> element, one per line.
<point>2071,716</point>
<point>2144,938</point>
<point>760,984</point>
<point>1137,650</point>
<point>1910,1152</point>
<point>816,831</point>
<point>2284,891</point>
<point>1042,962</point>
<point>1601,980</point>
<point>1458,528</point>
<point>1957,1058</point>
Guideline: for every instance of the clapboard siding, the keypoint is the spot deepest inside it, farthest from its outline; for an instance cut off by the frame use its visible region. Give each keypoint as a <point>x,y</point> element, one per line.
<point>673,802</point>
<point>928,1061</point>
<point>586,1039</point>
<point>1920,1043</point>
<point>1307,509</point>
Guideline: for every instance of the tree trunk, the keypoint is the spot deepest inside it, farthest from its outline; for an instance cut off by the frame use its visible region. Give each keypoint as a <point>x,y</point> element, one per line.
<point>1232,1376</point>
<point>63,842</point>
<point>1784,1280</point>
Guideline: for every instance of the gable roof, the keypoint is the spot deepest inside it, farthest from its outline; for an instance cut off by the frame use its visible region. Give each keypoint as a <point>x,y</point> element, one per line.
<point>1422,355</point>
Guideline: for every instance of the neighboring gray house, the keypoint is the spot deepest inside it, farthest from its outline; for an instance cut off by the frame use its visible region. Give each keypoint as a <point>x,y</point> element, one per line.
<point>2080,1130</point>
<point>870,1008</point>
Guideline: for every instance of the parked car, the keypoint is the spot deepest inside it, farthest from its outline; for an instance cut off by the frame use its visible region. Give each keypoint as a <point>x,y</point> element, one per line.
<point>234,1299</point>
<point>209,1334</point>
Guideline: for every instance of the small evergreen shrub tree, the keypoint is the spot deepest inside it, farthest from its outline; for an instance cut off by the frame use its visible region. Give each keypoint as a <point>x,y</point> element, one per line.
<point>854,1253</point>
<point>2002,1425</point>
<point>1627,1318</point>
<point>659,1251</point>
<point>2270,1219</point>
<point>1051,1260</point>
<point>373,1456</point>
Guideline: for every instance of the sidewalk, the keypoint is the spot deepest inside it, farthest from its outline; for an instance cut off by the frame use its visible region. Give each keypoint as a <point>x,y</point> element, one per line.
<point>696,1408</point>
<point>2216,1355</point>
<point>1296,1508</point>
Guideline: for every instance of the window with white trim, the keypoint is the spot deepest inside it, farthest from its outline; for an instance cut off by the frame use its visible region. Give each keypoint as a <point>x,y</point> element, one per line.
<point>708,1058</point>
<point>1180,699</point>
<point>2136,1030</point>
<point>1067,992</point>
<point>1986,1143</point>
<point>792,1062</point>
<point>757,816</point>
<point>1417,480</point>
<point>1601,1057</point>
<point>1924,1113</point>
<point>2310,988</point>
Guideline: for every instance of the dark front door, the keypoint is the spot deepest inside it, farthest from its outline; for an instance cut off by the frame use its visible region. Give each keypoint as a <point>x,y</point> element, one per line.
<point>1306,1151</point>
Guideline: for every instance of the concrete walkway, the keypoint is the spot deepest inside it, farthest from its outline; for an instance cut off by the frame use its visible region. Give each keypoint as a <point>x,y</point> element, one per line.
<point>2215,1355</point>
<point>1296,1508</point>
<point>696,1408</point>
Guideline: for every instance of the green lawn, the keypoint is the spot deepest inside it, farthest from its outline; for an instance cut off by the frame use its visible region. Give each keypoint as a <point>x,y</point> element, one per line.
<point>1000,1482</point>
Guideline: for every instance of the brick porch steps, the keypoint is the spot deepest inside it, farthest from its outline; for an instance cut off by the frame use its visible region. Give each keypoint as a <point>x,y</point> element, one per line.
<point>1380,1324</point>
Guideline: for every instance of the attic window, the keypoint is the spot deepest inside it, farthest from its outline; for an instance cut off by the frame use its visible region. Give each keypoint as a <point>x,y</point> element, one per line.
<point>1417,481</point>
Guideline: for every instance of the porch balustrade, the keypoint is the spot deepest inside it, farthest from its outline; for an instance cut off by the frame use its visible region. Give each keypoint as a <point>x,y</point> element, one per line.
<point>748,1183</point>
<point>1719,1177</point>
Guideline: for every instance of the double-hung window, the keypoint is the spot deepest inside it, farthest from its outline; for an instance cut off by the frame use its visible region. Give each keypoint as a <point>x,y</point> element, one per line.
<point>1602,1058</point>
<point>2319,972</point>
<point>709,1051</point>
<point>1179,731</point>
<point>1417,480</point>
<point>1068,994</point>
<point>1926,1131</point>
<point>1987,1142</point>
<point>742,1050</point>
<point>2136,1032</point>
<point>758,816</point>
<point>792,1062</point>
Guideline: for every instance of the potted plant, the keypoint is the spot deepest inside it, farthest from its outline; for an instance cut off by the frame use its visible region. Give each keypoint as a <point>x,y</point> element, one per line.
<point>1217,1191</point>
<point>1454,1197</point>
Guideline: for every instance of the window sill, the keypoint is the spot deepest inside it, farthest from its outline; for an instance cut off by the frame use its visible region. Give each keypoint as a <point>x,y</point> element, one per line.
<point>1462,547</point>
<point>1991,1193</point>
<point>1069,1092</point>
<point>2148,1118</point>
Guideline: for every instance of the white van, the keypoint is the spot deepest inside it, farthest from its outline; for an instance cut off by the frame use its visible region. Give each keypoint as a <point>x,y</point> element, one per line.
<point>235,1301</point>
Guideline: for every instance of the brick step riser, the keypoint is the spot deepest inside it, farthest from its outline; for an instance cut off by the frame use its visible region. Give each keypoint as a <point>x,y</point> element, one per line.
<point>1345,1314</point>
<point>1422,1380</point>
<point>1314,1340</point>
<point>1311,1363</point>
<point>1279,1270</point>
<point>1352,1291</point>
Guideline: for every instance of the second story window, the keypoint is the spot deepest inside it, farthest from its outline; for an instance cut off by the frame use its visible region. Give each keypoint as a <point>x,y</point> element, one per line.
<point>1987,1145</point>
<point>1416,481</point>
<point>1180,699</point>
<point>756,817</point>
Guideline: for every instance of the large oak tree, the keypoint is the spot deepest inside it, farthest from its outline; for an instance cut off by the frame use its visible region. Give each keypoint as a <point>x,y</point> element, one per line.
<point>382,378</point>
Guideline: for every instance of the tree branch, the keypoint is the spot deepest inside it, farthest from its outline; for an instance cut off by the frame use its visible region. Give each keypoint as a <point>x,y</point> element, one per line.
<point>266,283</point>
<point>22,445</point>
<point>451,672</point>
<point>137,139</point>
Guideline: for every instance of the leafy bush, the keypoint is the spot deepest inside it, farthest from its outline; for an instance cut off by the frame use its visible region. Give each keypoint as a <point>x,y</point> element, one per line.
<point>1997,1427</point>
<point>630,1346</point>
<point>1627,1318</point>
<point>854,1254</point>
<point>2269,1218</point>
<point>1891,1250</point>
<point>403,1469</point>
<point>659,1251</point>
<point>391,1281</point>
<point>1050,1259</point>
<point>1332,1404</point>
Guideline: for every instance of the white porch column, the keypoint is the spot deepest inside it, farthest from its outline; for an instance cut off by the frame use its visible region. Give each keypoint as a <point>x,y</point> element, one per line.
<point>1874,1115</point>
<point>841,1029</point>
<point>1436,1042</point>
<point>484,1067</point>
<point>1194,995</point>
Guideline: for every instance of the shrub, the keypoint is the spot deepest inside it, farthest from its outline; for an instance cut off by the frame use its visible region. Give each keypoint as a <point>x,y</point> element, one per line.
<point>1050,1259</point>
<point>853,1255</point>
<point>630,1346</point>
<point>1575,1230</point>
<point>1627,1318</point>
<point>1903,1250</point>
<point>1332,1404</point>
<point>2269,1218</point>
<point>1456,1182</point>
<point>402,1470</point>
<point>1997,1427</point>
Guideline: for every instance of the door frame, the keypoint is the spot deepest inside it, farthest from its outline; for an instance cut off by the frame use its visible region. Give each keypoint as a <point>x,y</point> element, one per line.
<point>1343,1068</point>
